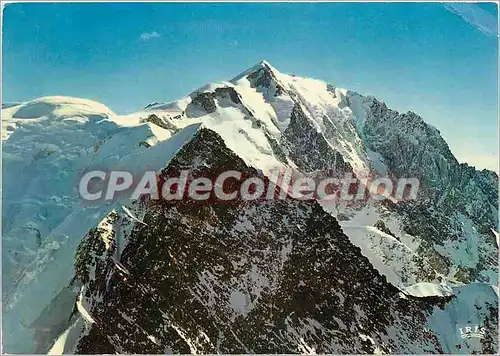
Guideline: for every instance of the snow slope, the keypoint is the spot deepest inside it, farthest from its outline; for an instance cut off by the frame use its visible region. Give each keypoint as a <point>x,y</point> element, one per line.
<point>55,140</point>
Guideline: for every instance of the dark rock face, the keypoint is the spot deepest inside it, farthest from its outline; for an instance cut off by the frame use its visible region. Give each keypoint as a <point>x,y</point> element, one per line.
<point>269,276</point>
<point>413,148</point>
<point>382,227</point>
<point>308,148</point>
<point>150,105</point>
<point>161,122</point>
<point>265,78</point>
<point>205,100</point>
<point>455,201</point>
<point>408,143</point>
<point>229,92</point>
<point>208,100</point>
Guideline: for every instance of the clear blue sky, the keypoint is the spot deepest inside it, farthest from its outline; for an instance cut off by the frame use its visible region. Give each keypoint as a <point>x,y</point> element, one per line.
<point>439,61</point>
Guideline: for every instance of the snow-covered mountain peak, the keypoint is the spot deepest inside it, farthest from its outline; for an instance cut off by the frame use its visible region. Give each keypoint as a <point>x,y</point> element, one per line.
<point>260,120</point>
<point>59,106</point>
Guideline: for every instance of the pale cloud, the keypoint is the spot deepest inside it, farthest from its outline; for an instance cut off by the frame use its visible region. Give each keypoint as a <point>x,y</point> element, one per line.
<point>475,16</point>
<point>149,35</point>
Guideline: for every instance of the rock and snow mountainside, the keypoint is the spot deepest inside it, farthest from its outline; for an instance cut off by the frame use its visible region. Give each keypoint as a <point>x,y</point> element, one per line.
<point>266,276</point>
